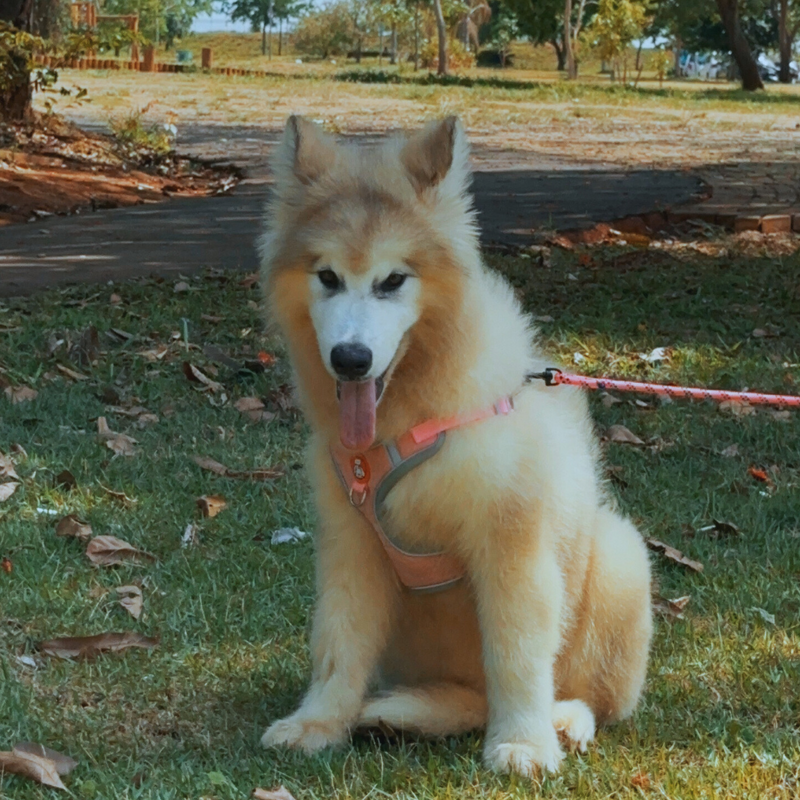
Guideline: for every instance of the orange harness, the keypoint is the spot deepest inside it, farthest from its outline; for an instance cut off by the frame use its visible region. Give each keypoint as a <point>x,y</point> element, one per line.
<point>369,477</point>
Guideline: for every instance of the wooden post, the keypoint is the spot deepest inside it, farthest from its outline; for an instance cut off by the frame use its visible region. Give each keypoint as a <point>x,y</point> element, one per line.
<point>206,58</point>
<point>149,62</point>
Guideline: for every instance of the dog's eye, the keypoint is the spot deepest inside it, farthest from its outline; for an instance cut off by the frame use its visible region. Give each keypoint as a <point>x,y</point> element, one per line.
<point>329,279</point>
<point>393,282</point>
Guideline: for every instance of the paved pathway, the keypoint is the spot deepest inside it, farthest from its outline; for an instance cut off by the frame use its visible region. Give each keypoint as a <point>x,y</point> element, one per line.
<point>515,196</point>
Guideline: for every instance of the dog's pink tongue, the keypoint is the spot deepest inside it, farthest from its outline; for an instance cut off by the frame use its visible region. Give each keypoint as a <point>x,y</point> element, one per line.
<point>357,414</point>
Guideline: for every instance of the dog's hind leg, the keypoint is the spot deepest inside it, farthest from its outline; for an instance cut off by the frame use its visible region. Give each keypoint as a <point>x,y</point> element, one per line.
<point>441,709</point>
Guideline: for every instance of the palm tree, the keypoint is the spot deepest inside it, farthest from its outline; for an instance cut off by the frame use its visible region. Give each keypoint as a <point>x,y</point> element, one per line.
<point>476,15</point>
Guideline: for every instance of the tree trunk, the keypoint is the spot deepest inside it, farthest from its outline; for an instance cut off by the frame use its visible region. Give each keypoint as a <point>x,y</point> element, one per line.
<point>270,14</point>
<point>639,64</point>
<point>572,67</point>
<point>393,53</point>
<point>380,44</point>
<point>15,99</point>
<point>785,38</point>
<point>264,38</point>
<point>560,54</point>
<point>740,49</point>
<point>442,34</point>
<point>416,37</point>
<point>280,36</point>
<point>677,47</point>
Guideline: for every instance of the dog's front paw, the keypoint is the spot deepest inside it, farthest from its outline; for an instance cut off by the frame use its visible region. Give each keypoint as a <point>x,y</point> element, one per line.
<point>304,733</point>
<point>535,755</point>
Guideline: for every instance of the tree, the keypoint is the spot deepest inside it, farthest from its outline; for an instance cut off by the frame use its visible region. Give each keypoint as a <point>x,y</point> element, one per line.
<point>259,13</point>
<point>324,32</point>
<point>542,21</point>
<point>615,25</point>
<point>506,31</point>
<point>788,28</point>
<point>16,47</point>
<point>739,47</point>
<point>441,32</point>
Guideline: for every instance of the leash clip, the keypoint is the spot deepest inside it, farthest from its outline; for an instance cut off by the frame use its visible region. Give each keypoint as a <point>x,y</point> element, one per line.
<point>549,376</point>
<point>356,501</point>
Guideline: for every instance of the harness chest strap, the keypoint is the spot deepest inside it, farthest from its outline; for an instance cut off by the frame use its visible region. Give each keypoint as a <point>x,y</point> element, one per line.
<point>368,477</point>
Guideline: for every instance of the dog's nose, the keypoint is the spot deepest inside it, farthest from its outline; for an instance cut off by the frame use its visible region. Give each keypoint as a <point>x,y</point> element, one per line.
<point>351,361</point>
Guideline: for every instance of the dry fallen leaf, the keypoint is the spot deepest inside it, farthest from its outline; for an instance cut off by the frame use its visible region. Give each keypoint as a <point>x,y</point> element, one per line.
<point>671,554</point>
<point>196,376</point>
<point>672,609</point>
<point>211,505</point>
<point>106,551</point>
<point>765,615</point>
<point>120,497</point>
<point>64,764</point>
<point>21,394</point>
<point>640,780</point>
<point>249,280</point>
<point>131,600</point>
<point>34,767</point>
<point>620,434</point>
<point>155,354</point>
<point>783,415</point>
<point>73,527</point>
<point>253,409</point>
<point>609,400</point>
<point>114,299</point>
<point>71,373</point>
<point>260,474</point>
<point>119,443</point>
<point>761,476</point>
<point>6,565</point>
<point>91,646</point>
<point>181,286</point>
<point>281,793</point>
<point>7,489</point>
<point>7,468</point>
<point>736,408</point>
<point>731,451</point>
<point>286,535</point>
<point>65,480</point>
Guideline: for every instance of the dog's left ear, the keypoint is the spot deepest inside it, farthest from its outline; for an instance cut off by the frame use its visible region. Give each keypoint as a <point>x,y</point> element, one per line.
<point>437,151</point>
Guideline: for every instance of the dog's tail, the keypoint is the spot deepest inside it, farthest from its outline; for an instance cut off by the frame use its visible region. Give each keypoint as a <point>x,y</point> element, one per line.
<point>440,709</point>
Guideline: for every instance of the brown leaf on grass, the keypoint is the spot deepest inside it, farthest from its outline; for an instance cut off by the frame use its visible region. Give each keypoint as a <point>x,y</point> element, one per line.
<point>64,764</point>
<point>7,489</point>
<point>119,443</point>
<point>258,474</point>
<point>21,394</point>
<point>283,397</point>
<point>74,528</point>
<point>671,609</point>
<point>211,318</point>
<point>253,409</point>
<point>6,565</point>
<point>671,554</point>
<point>87,348</point>
<point>719,528</point>
<point>621,435</point>
<point>106,551</point>
<point>783,415</point>
<point>155,354</point>
<point>761,476</point>
<point>211,505</point>
<point>33,767</point>
<point>120,497</point>
<point>114,299</point>
<point>131,600</point>
<point>71,373</point>
<point>91,646</point>
<point>249,280</point>
<point>280,793</point>
<point>143,420</point>
<point>196,376</point>
<point>736,408</point>
<point>181,286</point>
<point>7,468</point>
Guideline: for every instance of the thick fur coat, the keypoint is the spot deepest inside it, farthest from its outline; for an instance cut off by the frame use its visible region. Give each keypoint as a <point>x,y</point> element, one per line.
<point>549,633</point>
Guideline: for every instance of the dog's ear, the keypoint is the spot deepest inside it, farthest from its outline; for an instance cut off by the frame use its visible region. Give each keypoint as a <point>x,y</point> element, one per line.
<point>439,149</point>
<point>306,153</point>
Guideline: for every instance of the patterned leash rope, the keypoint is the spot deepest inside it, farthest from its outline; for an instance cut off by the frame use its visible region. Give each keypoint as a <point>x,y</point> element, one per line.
<point>555,377</point>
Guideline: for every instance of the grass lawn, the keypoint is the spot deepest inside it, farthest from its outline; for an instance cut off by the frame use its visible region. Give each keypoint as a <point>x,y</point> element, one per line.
<point>721,715</point>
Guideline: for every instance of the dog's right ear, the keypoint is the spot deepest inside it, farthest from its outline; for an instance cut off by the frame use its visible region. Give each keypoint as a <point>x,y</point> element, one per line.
<point>305,154</point>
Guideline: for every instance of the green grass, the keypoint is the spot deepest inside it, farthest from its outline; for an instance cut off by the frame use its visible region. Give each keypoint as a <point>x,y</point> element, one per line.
<point>720,715</point>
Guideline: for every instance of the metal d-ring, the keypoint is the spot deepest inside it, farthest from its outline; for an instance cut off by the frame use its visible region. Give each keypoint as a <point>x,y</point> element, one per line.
<point>352,499</point>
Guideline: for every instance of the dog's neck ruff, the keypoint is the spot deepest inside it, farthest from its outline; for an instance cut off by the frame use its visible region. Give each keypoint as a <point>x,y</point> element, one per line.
<point>368,477</point>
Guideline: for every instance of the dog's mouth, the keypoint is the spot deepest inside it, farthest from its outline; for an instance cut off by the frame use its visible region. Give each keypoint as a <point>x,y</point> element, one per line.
<point>358,402</point>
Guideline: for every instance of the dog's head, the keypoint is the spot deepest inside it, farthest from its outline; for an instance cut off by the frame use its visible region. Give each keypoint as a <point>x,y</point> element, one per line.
<point>361,243</point>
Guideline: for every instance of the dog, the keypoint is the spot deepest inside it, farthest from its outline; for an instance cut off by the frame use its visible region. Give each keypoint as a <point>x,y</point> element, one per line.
<point>399,336</point>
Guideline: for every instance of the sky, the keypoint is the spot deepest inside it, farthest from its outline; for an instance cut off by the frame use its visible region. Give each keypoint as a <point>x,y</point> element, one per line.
<point>217,21</point>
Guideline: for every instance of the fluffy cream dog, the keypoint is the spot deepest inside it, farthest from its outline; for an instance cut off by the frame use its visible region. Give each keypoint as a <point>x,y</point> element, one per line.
<point>374,275</point>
